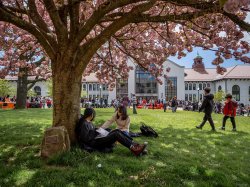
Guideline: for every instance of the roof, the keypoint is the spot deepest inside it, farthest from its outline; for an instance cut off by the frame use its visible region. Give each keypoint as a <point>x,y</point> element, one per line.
<point>90,78</point>
<point>235,72</point>
<point>14,78</point>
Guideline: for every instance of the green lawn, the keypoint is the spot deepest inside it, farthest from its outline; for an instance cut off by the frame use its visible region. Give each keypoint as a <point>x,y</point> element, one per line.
<point>181,156</point>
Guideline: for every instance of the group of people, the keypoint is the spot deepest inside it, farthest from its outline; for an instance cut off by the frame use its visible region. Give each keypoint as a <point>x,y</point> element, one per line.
<point>89,136</point>
<point>38,102</point>
<point>229,110</point>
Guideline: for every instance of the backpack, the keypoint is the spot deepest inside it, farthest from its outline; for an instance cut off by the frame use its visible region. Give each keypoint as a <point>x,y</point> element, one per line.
<point>55,141</point>
<point>148,131</point>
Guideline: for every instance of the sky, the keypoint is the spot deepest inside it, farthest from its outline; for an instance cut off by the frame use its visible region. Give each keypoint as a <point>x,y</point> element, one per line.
<point>208,56</point>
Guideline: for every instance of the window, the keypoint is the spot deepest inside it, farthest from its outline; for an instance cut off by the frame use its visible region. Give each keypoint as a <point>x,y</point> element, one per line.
<point>186,86</point>
<point>90,87</point>
<point>98,87</point>
<point>204,86</point>
<point>145,82</point>
<point>37,90</point>
<point>201,97</point>
<point>83,87</point>
<point>170,87</point>
<point>190,97</point>
<point>219,88</point>
<point>190,86</point>
<point>200,86</point>
<point>121,88</point>
<point>208,85</point>
<point>236,92</point>
<point>194,98</point>
<point>104,87</point>
<point>194,86</point>
<point>186,97</point>
<point>94,87</point>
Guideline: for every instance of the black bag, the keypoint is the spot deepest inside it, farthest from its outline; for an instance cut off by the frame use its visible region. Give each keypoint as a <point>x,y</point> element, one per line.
<point>148,131</point>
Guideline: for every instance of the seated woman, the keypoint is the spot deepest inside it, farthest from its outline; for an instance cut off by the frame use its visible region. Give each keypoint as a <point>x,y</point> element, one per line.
<point>121,119</point>
<point>87,135</point>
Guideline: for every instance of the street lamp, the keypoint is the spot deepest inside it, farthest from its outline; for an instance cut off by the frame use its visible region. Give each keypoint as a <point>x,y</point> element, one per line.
<point>198,89</point>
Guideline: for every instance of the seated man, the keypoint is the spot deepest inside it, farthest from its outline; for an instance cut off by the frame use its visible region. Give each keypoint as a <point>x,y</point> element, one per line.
<point>87,135</point>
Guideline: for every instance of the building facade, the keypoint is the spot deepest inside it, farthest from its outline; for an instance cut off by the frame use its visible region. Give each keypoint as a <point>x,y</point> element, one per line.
<point>187,84</point>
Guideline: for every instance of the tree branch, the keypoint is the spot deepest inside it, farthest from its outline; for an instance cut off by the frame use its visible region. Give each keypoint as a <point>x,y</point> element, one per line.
<point>242,24</point>
<point>7,17</point>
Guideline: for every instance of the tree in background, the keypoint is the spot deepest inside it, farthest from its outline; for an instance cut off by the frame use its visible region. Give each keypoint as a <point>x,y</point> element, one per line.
<point>219,96</point>
<point>24,58</point>
<point>6,88</point>
<point>98,36</point>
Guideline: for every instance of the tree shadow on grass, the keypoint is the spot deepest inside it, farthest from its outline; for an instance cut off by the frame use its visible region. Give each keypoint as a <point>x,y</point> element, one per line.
<point>178,157</point>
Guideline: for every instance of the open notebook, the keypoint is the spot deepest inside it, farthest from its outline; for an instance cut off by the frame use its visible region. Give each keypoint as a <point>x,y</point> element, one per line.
<point>102,133</point>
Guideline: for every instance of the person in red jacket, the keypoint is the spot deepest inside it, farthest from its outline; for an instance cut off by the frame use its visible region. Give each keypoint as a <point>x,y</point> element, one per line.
<point>229,111</point>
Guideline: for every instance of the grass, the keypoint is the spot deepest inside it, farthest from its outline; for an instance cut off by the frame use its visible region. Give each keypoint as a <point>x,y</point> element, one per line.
<point>181,156</point>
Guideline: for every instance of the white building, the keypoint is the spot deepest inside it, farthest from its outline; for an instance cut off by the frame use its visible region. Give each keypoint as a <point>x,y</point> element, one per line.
<point>236,80</point>
<point>40,88</point>
<point>140,83</point>
<point>187,84</point>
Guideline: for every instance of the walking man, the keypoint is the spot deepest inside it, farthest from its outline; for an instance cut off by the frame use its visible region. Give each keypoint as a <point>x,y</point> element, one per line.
<point>207,106</point>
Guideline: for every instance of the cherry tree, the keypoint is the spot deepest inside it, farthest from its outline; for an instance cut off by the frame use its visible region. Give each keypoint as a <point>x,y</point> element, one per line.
<point>100,35</point>
<point>22,57</point>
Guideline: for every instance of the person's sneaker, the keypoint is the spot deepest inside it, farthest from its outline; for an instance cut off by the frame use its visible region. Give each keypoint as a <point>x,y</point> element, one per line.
<point>234,130</point>
<point>198,127</point>
<point>137,149</point>
<point>222,128</point>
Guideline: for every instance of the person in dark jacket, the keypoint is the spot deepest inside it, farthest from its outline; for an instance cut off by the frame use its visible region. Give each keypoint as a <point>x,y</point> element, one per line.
<point>207,106</point>
<point>87,135</point>
<point>174,104</point>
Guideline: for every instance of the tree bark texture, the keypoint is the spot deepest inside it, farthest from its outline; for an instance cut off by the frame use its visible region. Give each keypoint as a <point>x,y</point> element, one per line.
<point>66,97</point>
<point>22,90</point>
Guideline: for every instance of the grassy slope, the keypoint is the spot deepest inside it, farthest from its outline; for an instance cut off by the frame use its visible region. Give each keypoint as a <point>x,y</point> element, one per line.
<point>181,156</point>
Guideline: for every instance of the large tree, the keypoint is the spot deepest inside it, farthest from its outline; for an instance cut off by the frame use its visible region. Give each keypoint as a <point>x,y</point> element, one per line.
<point>22,57</point>
<point>99,35</point>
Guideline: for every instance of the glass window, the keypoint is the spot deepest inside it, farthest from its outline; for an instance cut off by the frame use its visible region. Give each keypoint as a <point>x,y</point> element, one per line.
<point>201,97</point>
<point>94,96</point>
<point>200,86</point>
<point>104,87</point>
<point>194,98</point>
<point>186,86</point>
<point>194,86</point>
<point>98,87</point>
<point>236,92</point>
<point>145,82</point>
<point>186,97</point>
<point>90,87</point>
<point>219,88</point>
<point>170,87</point>
<point>37,90</point>
<point>204,86</point>
<point>190,97</point>
<point>208,85</point>
<point>121,88</point>
<point>83,87</point>
<point>190,86</point>
<point>94,87</point>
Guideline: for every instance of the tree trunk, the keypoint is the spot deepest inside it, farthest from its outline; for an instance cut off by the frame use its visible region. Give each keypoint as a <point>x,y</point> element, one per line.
<point>22,90</point>
<point>66,98</point>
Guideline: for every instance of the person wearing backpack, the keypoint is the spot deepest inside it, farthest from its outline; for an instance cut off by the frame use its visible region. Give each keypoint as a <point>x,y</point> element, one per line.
<point>87,134</point>
<point>229,111</point>
<point>207,106</point>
